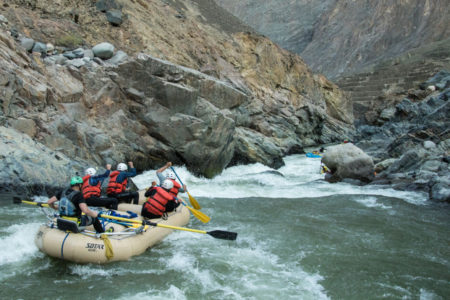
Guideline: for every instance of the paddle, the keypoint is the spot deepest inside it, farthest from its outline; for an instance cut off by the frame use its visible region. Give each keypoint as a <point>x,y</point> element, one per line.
<point>191,199</point>
<point>218,234</point>
<point>196,213</point>
<point>18,201</point>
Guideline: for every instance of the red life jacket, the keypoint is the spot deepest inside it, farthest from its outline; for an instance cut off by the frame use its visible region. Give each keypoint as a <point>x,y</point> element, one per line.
<point>176,187</point>
<point>115,187</point>
<point>90,190</point>
<point>156,204</point>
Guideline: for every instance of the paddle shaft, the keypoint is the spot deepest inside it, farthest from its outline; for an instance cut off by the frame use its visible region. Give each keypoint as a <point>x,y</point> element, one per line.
<point>144,222</point>
<point>219,234</point>
<point>191,199</point>
<point>35,203</point>
<point>173,170</point>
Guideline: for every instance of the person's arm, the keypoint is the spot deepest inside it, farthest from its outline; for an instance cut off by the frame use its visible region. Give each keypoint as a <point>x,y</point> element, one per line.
<point>182,189</point>
<point>161,177</point>
<point>95,179</point>
<point>51,202</point>
<point>163,168</point>
<point>84,208</point>
<point>150,191</point>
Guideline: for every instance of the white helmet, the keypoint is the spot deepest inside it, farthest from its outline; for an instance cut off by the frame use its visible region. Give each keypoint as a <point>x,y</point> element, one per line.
<point>167,184</point>
<point>90,171</point>
<point>171,175</point>
<point>122,167</point>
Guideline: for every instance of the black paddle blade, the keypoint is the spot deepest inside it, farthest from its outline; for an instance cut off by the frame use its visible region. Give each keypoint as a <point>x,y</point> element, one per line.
<point>224,235</point>
<point>16,200</point>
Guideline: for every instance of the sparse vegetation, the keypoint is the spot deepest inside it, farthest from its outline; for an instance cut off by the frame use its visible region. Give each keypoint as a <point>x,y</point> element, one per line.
<point>69,41</point>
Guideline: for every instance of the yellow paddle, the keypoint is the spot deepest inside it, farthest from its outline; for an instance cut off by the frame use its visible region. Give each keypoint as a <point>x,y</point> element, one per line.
<point>41,204</point>
<point>198,214</point>
<point>219,234</point>
<point>194,202</point>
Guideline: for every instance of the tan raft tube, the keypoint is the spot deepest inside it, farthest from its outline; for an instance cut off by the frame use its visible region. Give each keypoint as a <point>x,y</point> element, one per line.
<point>79,248</point>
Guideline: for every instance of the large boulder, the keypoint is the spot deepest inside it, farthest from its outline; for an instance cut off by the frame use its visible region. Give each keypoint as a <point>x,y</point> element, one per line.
<point>29,166</point>
<point>103,50</point>
<point>254,147</point>
<point>346,161</point>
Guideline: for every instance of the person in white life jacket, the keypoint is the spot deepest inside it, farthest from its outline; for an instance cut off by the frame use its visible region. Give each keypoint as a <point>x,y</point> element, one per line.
<point>92,188</point>
<point>177,188</point>
<point>159,201</point>
<point>118,182</point>
<point>72,204</point>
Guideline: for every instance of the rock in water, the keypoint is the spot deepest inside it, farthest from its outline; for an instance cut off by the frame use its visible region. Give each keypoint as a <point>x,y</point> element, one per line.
<point>348,161</point>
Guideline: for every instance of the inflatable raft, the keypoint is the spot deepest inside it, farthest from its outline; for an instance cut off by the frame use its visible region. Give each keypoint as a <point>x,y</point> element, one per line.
<point>312,155</point>
<point>121,244</point>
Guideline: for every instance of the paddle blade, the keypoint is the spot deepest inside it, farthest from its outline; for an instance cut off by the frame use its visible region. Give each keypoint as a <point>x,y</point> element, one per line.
<point>16,200</point>
<point>199,215</point>
<point>194,202</point>
<point>224,235</point>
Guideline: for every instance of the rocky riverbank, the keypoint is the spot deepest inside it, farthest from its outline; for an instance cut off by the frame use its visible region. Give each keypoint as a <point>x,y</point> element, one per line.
<point>410,142</point>
<point>66,108</point>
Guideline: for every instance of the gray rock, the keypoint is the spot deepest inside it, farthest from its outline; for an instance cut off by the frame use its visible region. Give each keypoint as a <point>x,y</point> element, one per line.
<point>26,126</point>
<point>104,5</point>
<point>383,165</point>
<point>349,161</point>
<point>77,62</point>
<point>253,147</point>
<point>26,159</point>
<point>69,55</point>
<point>3,19</point>
<point>40,48</point>
<point>89,53</point>
<point>50,48</point>
<point>103,50</point>
<point>388,114</point>
<point>440,189</point>
<point>60,59</point>
<point>114,16</point>
<point>429,145</point>
<point>27,43</point>
<point>14,33</point>
<point>441,80</point>
<point>118,58</point>
<point>79,52</point>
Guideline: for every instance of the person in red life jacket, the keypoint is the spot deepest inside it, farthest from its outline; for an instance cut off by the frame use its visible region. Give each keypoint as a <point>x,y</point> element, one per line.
<point>118,182</point>
<point>177,188</point>
<point>159,201</point>
<point>72,204</point>
<point>92,188</point>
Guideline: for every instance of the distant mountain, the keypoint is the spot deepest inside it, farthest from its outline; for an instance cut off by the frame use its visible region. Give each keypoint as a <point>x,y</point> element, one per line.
<point>340,37</point>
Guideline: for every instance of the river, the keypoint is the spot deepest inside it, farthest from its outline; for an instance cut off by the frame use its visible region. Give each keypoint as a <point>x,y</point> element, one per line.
<point>299,238</point>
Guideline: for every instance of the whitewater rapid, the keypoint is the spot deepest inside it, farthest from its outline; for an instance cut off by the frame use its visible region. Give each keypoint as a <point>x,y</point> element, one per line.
<point>299,237</point>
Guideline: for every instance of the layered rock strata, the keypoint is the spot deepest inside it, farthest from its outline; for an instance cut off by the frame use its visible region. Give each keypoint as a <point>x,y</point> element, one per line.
<point>260,104</point>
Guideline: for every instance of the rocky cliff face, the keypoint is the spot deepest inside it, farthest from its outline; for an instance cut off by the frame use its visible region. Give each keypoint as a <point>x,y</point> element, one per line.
<point>341,36</point>
<point>195,92</point>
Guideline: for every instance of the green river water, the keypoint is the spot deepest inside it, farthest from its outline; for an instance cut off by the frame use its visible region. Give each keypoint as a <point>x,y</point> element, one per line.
<point>299,238</point>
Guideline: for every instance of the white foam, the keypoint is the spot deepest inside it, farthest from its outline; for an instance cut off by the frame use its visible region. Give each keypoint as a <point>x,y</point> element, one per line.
<point>248,269</point>
<point>300,178</point>
<point>88,271</point>
<point>172,293</point>
<point>19,244</point>
<point>428,295</point>
<point>372,202</point>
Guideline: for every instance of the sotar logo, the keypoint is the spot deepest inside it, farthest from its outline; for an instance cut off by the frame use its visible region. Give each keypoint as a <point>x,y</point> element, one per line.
<point>92,246</point>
